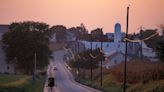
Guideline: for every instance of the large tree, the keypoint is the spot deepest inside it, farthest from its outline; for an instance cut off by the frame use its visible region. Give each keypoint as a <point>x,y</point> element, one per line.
<point>60,32</point>
<point>24,41</point>
<point>160,50</point>
<point>160,44</point>
<point>97,34</point>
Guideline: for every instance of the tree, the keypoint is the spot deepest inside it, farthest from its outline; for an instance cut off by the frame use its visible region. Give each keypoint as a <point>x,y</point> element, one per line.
<point>160,44</point>
<point>162,30</point>
<point>80,32</point>
<point>160,50</point>
<point>97,34</point>
<point>23,41</point>
<point>84,60</point>
<point>60,32</point>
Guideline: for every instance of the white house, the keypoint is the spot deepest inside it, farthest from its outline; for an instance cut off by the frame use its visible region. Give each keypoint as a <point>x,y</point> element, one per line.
<point>114,51</point>
<point>114,59</point>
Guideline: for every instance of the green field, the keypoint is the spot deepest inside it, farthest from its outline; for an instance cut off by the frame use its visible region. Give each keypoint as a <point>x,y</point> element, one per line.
<point>20,83</point>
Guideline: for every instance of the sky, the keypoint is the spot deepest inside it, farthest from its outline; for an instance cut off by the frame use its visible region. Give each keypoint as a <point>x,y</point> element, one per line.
<point>92,13</point>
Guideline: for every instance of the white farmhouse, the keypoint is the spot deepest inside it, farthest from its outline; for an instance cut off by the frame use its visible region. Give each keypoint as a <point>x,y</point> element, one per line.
<point>115,51</point>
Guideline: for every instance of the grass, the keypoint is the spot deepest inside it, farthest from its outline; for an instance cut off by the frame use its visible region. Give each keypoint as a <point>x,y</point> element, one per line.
<point>8,79</point>
<point>152,86</point>
<point>142,76</point>
<point>139,71</point>
<point>20,83</point>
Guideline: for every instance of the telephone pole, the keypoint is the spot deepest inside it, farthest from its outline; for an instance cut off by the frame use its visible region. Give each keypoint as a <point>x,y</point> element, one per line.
<point>91,58</point>
<point>101,57</point>
<point>126,49</point>
<point>141,37</point>
<point>78,69</point>
<point>34,70</point>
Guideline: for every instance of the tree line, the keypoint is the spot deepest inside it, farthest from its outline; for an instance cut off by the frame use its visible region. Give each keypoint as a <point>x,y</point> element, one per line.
<point>25,39</point>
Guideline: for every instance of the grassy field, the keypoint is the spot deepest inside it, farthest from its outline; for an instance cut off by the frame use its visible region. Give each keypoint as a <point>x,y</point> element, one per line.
<point>142,76</point>
<point>20,83</point>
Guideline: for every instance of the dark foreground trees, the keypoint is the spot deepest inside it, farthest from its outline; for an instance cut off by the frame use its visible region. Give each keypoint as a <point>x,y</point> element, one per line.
<point>24,41</point>
<point>160,50</point>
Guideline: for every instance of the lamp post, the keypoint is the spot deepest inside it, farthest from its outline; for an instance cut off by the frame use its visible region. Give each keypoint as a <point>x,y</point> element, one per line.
<point>126,48</point>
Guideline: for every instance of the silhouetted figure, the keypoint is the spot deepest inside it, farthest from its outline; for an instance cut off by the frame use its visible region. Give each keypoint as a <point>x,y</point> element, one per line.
<point>51,82</point>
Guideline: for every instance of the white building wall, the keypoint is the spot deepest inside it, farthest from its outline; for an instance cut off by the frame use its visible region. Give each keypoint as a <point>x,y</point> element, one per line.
<point>115,60</point>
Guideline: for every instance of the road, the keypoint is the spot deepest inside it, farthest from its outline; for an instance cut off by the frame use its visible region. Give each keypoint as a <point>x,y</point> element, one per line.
<point>64,79</point>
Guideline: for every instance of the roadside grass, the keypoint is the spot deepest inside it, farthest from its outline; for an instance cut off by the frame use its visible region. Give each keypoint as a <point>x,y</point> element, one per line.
<point>20,83</point>
<point>142,76</point>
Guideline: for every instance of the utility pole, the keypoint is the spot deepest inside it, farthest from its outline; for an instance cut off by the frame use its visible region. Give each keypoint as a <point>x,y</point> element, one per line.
<point>78,58</point>
<point>34,71</point>
<point>16,64</point>
<point>141,37</point>
<point>91,57</point>
<point>126,49</point>
<point>35,63</point>
<point>101,57</point>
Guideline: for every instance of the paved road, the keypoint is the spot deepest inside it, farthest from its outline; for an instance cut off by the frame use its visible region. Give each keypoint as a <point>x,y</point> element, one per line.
<point>64,79</point>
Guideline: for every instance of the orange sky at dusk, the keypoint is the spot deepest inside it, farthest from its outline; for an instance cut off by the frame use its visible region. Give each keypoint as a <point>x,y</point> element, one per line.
<point>93,13</point>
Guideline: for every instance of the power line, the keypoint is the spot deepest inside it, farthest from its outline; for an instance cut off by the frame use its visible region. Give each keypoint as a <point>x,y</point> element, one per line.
<point>147,38</point>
